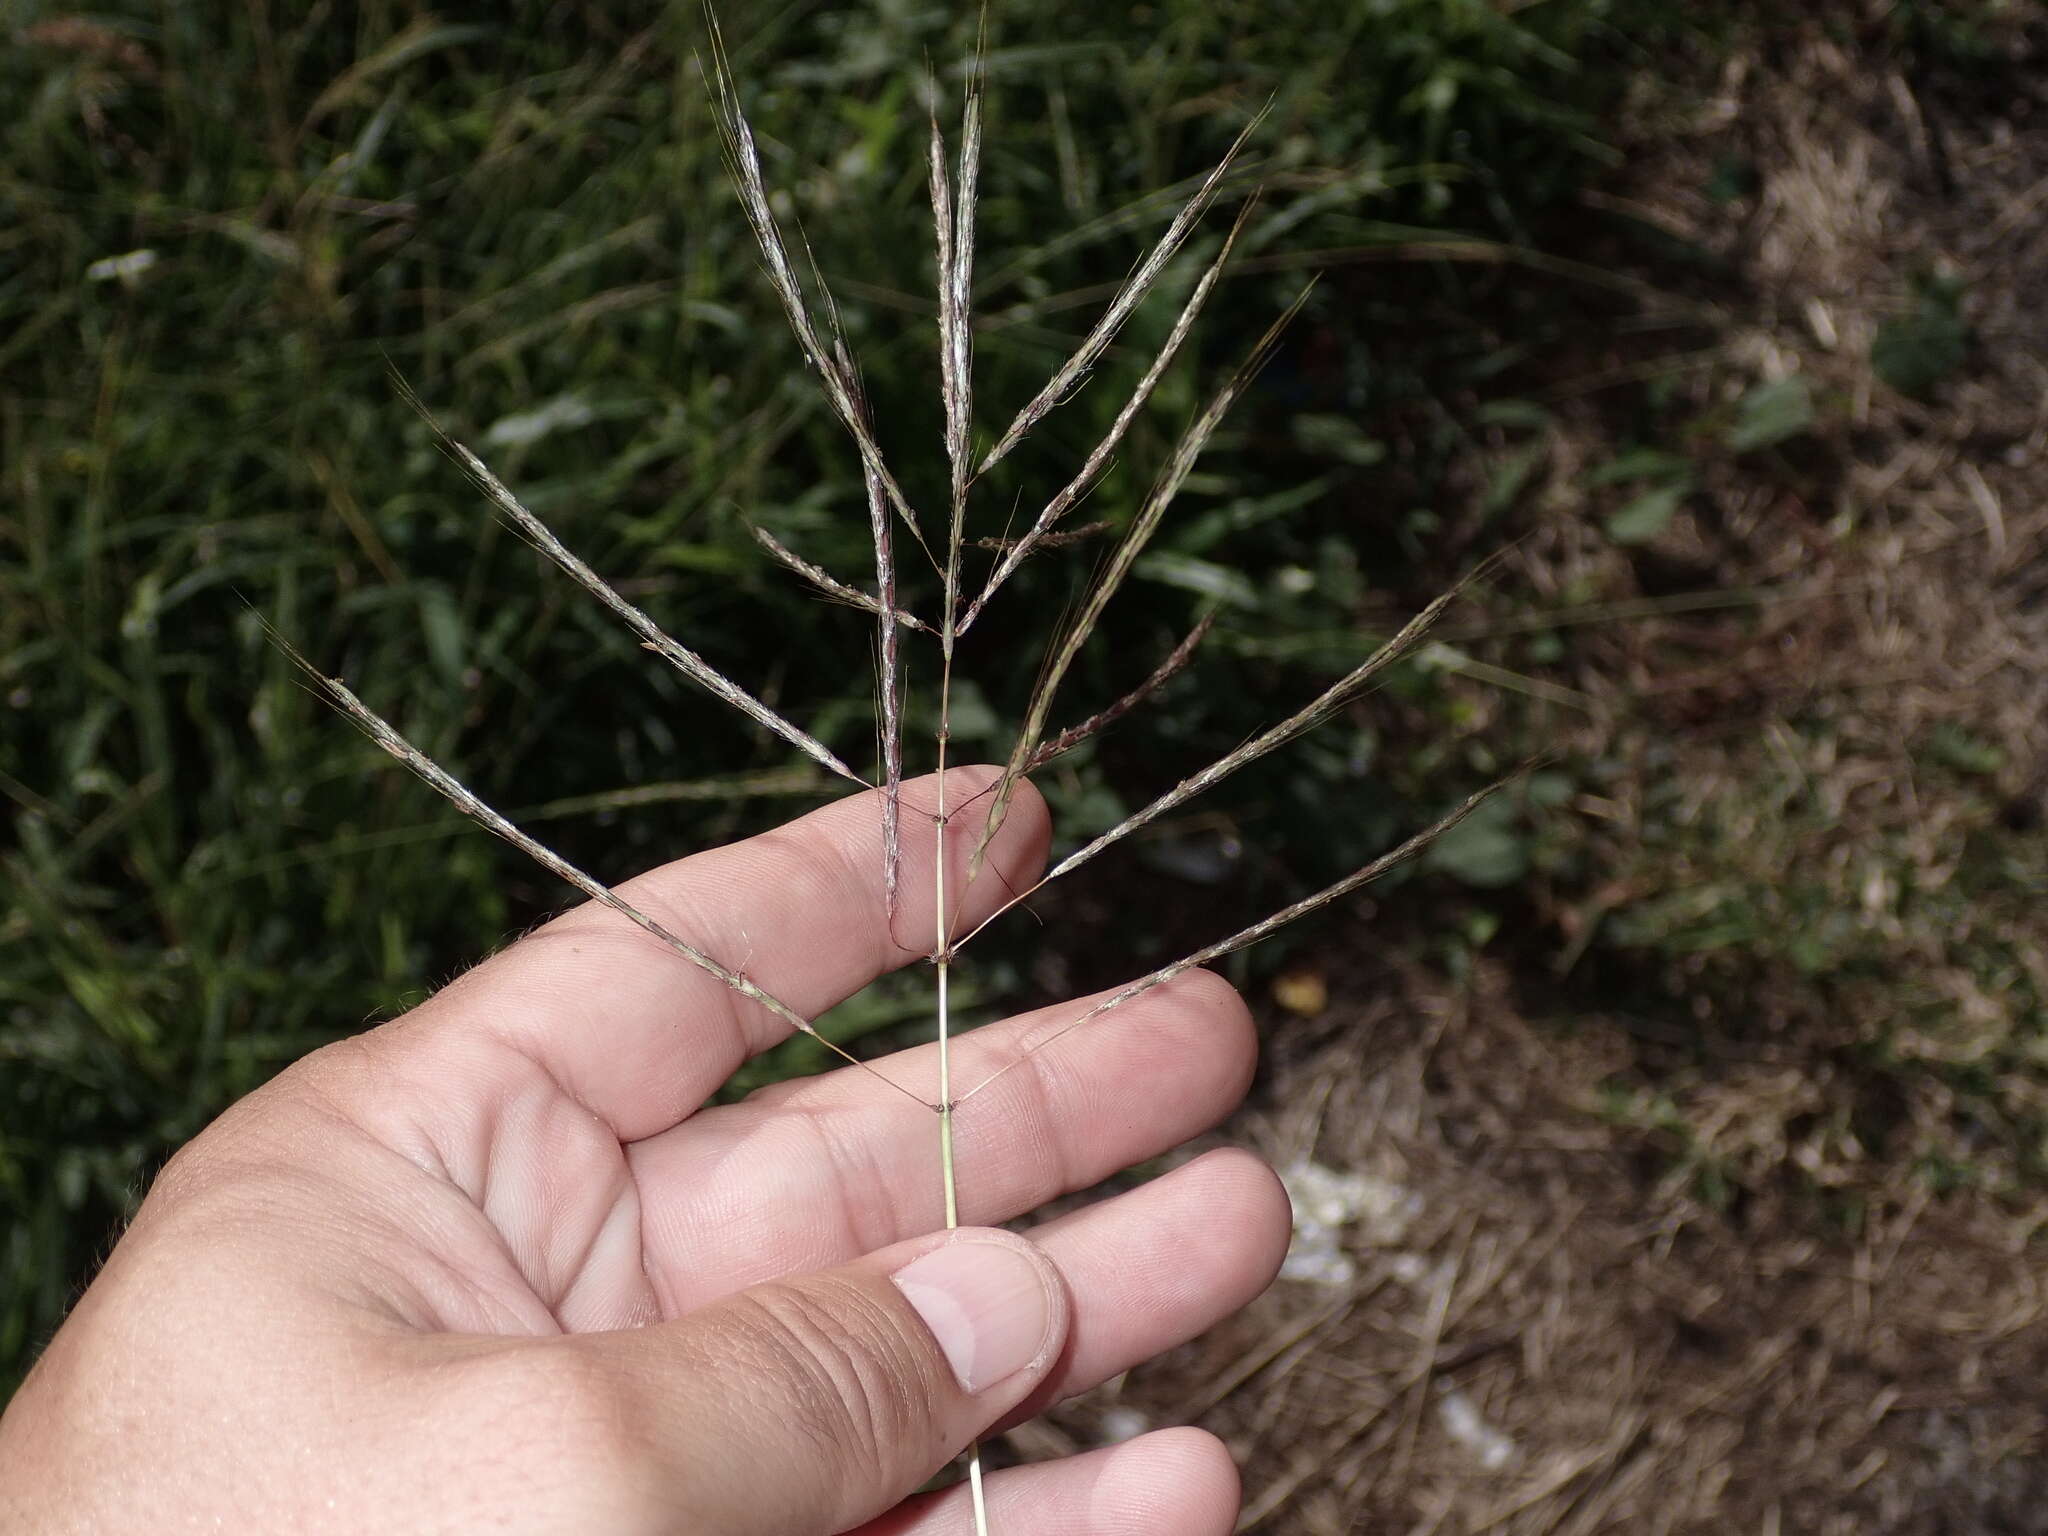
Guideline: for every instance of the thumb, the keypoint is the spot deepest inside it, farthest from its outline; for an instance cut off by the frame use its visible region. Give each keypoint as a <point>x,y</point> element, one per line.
<point>817,1402</point>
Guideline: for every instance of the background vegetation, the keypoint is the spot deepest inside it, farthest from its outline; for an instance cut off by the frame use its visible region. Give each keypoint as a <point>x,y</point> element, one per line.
<point>226,228</point>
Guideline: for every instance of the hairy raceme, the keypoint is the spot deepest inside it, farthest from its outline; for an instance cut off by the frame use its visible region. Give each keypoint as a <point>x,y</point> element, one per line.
<point>943,539</point>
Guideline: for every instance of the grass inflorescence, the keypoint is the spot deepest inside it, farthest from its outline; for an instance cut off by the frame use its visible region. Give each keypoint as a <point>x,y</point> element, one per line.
<point>945,542</point>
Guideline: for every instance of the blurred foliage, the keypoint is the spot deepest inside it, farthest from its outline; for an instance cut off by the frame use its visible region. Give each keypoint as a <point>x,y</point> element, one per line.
<point>1771,414</point>
<point>225,229</point>
<point>1915,351</point>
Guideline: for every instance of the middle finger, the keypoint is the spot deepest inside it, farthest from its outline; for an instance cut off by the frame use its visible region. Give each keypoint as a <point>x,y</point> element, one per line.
<point>813,1174</point>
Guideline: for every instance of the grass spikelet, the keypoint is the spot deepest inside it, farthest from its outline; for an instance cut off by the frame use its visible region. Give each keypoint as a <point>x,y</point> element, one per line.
<point>1176,662</point>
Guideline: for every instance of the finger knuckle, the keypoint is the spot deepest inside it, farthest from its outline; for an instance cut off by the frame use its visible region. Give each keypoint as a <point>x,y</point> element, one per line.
<point>860,1387</point>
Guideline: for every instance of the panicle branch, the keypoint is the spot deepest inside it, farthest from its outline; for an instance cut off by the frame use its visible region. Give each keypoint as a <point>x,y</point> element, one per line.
<point>1248,936</point>
<point>1071,372</point>
<point>953,215</point>
<point>1164,490</point>
<point>889,689</point>
<point>674,652</point>
<point>744,159</point>
<point>953,219</point>
<point>1002,545</point>
<point>1271,739</point>
<point>1041,530</point>
<point>385,735</point>
<point>1176,660</point>
<point>826,582</point>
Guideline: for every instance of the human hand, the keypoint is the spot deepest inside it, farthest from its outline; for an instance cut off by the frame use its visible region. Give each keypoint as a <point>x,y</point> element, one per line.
<point>491,1266</point>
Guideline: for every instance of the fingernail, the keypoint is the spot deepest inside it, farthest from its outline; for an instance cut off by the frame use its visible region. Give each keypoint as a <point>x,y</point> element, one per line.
<point>986,1305</point>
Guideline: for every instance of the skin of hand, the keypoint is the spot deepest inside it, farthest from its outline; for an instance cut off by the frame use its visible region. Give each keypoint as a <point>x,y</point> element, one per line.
<point>496,1266</point>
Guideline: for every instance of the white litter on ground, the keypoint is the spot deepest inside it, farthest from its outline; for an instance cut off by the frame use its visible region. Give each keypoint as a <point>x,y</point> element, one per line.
<point>1326,1204</point>
<point>1411,1269</point>
<point>1464,1424</point>
<point>1121,1424</point>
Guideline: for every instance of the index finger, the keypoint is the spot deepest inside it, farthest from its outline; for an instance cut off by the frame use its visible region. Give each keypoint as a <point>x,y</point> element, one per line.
<point>639,1035</point>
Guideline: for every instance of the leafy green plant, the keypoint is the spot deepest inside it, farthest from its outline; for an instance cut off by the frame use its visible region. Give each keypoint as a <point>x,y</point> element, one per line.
<point>1660,481</point>
<point>1916,351</point>
<point>1770,414</point>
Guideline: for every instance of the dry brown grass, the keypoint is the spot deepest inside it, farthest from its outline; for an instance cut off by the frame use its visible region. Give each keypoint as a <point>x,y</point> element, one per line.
<point>1648,1365</point>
